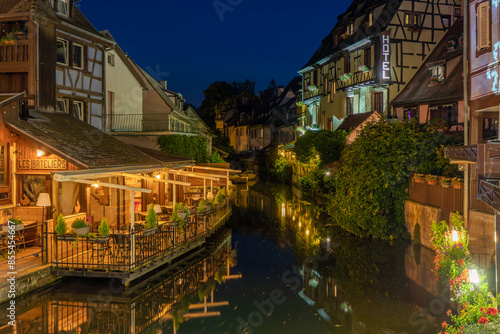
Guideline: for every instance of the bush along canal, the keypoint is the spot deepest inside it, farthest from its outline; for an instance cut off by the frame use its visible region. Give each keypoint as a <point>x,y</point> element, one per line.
<point>275,268</point>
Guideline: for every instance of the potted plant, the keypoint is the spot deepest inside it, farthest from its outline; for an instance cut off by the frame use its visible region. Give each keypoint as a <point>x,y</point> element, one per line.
<point>20,33</point>
<point>61,229</point>
<point>312,88</point>
<point>201,209</point>
<point>433,81</point>
<point>80,226</point>
<point>419,178</point>
<point>180,216</point>
<point>345,77</point>
<point>8,39</point>
<point>446,182</point>
<point>458,183</point>
<point>345,35</point>
<point>103,230</point>
<point>18,225</point>
<point>431,179</point>
<point>151,221</point>
<point>220,198</point>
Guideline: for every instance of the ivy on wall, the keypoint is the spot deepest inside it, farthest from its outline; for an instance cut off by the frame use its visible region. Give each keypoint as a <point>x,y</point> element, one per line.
<point>194,147</point>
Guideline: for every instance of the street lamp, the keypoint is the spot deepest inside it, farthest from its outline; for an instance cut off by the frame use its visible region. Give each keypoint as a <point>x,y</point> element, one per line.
<point>473,276</point>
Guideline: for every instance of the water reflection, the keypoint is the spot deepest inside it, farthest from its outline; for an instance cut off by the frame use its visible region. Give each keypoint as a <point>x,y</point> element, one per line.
<point>159,303</point>
<point>355,285</point>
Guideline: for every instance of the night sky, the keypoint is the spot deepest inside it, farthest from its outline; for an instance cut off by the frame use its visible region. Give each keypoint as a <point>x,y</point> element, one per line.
<point>191,44</point>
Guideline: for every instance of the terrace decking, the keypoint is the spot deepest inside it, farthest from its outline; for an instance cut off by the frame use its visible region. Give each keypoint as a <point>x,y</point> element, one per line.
<point>130,254</point>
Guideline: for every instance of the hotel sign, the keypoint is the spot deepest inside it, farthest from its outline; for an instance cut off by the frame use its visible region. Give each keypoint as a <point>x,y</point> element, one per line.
<point>385,56</point>
<point>45,164</point>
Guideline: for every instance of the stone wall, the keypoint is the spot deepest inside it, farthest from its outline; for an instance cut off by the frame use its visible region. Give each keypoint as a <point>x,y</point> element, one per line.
<point>424,215</point>
<point>28,282</point>
<point>482,246</point>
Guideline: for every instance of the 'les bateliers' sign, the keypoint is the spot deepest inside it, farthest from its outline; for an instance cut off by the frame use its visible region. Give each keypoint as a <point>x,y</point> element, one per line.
<point>385,56</point>
<point>30,164</point>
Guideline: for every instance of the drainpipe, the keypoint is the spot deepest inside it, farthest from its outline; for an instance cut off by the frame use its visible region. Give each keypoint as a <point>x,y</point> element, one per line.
<point>466,109</point>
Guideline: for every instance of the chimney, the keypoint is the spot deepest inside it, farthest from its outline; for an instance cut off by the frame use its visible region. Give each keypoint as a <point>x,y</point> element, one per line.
<point>164,84</point>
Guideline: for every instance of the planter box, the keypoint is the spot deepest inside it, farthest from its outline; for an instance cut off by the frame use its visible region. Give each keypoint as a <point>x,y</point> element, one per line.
<point>66,237</point>
<point>17,227</point>
<point>419,180</point>
<point>432,182</point>
<point>82,231</point>
<point>458,185</point>
<point>446,185</point>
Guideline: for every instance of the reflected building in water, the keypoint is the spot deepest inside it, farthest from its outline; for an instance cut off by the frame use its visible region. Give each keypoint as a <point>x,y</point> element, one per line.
<point>158,304</point>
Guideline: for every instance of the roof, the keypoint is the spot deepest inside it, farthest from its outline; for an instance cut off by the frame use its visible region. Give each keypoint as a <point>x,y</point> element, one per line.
<point>354,120</point>
<point>78,142</point>
<point>163,157</point>
<point>451,89</point>
<point>361,8</point>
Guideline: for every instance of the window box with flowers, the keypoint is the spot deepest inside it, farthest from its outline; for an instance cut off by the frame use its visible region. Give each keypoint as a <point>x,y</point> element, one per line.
<point>345,77</point>
<point>446,182</point>
<point>300,104</point>
<point>452,45</point>
<point>414,28</point>
<point>458,183</point>
<point>312,88</point>
<point>419,178</point>
<point>431,179</point>
<point>433,81</point>
<point>16,222</point>
<point>8,39</point>
<point>345,35</point>
<point>363,69</point>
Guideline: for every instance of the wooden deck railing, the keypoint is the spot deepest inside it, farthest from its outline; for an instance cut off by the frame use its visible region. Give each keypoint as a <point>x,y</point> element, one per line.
<point>448,199</point>
<point>128,252</point>
<point>14,53</point>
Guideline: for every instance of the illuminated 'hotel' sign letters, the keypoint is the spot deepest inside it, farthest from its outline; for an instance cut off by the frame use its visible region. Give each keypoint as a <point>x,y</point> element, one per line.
<point>385,56</point>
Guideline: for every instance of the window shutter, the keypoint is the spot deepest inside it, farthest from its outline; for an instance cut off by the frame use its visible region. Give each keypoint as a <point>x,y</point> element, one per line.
<point>483,25</point>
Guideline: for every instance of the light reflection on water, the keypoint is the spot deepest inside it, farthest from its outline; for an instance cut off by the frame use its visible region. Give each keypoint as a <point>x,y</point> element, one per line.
<point>296,277</point>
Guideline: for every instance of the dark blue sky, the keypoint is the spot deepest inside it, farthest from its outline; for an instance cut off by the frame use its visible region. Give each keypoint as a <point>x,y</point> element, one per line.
<point>186,43</point>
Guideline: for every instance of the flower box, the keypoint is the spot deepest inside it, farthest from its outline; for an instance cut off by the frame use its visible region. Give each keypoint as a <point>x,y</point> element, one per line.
<point>18,227</point>
<point>82,230</point>
<point>345,77</point>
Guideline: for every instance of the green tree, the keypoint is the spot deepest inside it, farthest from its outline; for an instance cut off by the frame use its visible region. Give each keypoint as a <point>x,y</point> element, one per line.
<point>272,84</point>
<point>194,147</point>
<point>371,184</point>
<point>216,93</point>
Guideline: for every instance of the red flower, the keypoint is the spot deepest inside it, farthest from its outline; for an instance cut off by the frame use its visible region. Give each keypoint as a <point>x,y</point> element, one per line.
<point>482,309</point>
<point>492,311</point>
<point>461,262</point>
<point>483,320</point>
<point>444,324</point>
<point>448,313</point>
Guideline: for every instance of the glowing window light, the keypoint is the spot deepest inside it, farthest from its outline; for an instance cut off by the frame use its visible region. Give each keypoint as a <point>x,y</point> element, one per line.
<point>95,185</point>
<point>454,236</point>
<point>307,232</point>
<point>473,276</point>
<point>158,176</point>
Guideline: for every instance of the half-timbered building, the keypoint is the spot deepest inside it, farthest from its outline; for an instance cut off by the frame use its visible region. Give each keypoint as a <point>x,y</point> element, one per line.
<point>369,56</point>
<point>51,51</point>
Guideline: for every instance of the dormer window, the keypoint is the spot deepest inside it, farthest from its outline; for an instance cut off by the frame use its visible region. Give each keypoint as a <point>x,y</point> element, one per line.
<point>437,74</point>
<point>412,19</point>
<point>63,7</point>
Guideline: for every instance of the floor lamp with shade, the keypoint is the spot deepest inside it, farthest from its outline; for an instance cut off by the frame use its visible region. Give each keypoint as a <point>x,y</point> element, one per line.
<point>43,201</point>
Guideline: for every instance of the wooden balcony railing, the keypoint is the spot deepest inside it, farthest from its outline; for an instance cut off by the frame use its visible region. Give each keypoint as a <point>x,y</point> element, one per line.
<point>358,78</point>
<point>143,123</point>
<point>462,153</point>
<point>489,193</point>
<point>14,53</point>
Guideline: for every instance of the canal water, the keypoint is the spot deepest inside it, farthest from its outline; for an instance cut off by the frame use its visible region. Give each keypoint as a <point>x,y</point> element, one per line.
<point>277,267</point>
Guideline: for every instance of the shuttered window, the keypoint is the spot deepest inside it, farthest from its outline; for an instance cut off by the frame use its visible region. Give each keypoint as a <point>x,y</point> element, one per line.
<point>483,24</point>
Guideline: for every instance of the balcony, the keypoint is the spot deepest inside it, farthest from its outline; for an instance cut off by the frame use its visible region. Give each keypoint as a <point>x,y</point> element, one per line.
<point>463,154</point>
<point>14,58</point>
<point>358,80</point>
<point>145,123</point>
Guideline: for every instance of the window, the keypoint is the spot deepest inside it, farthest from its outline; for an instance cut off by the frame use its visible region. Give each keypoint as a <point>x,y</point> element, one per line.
<point>325,85</point>
<point>3,164</point>
<point>370,19</point>
<point>378,102</point>
<point>448,113</point>
<point>483,25</point>
<point>78,110</point>
<point>368,57</point>
<point>77,56</point>
<point>4,175</point>
<point>62,105</point>
<point>446,21</point>
<point>111,59</point>
<point>410,113</point>
<point>349,106</point>
<point>63,7</point>
<point>347,63</point>
<point>412,19</point>
<point>490,128</point>
<point>62,51</point>
<point>437,74</point>
<point>350,28</point>
<point>262,132</point>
